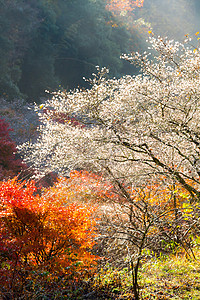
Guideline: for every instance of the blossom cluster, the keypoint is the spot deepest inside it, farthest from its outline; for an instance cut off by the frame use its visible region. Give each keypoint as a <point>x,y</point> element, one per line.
<point>134,126</point>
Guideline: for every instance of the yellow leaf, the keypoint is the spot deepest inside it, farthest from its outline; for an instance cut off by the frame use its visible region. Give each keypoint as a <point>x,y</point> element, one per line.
<point>195,50</point>
<point>149,32</point>
<point>197,33</point>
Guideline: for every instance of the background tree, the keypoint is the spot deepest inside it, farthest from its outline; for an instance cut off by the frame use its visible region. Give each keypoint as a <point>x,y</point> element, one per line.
<point>10,166</point>
<point>18,22</point>
<point>171,18</point>
<point>47,43</point>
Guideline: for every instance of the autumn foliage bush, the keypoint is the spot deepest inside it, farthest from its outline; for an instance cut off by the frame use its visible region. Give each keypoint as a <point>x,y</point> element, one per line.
<point>9,165</point>
<point>87,187</point>
<point>44,240</point>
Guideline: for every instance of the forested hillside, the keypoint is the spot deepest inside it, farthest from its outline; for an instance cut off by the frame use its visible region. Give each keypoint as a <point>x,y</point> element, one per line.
<point>49,43</point>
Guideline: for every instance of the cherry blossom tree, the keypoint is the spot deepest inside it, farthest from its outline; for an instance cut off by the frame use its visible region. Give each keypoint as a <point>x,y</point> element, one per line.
<point>135,127</point>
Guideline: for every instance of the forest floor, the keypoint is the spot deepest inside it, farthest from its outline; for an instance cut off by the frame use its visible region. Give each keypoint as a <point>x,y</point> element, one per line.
<point>174,277</point>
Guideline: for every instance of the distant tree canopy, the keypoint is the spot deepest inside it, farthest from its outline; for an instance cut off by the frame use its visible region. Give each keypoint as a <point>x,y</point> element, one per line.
<point>45,43</point>
<point>172,18</point>
<point>49,44</point>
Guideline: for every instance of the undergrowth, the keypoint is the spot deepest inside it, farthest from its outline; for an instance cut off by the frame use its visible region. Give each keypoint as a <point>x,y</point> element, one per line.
<point>175,277</point>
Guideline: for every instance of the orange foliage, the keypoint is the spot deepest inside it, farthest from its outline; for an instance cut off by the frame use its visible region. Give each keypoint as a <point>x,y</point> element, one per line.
<point>42,233</point>
<point>165,197</point>
<point>169,205</point>
<point>87,187</point>
<point>123,12</point>
<point>118,6</point>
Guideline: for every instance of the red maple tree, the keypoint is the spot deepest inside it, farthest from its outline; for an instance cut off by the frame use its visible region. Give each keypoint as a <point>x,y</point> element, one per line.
<point>9,165</point>
<point>42,234</point>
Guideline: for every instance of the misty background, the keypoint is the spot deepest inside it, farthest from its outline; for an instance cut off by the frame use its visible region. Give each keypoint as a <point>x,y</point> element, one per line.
<point>53,44</point>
